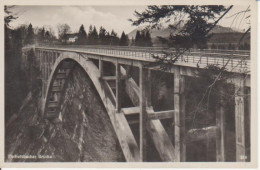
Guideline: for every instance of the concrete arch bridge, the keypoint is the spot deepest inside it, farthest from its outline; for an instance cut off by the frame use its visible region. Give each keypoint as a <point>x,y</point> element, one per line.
<point>57,62</point>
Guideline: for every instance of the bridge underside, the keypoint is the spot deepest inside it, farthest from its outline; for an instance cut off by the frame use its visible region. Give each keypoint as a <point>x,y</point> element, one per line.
<point>56,67</point>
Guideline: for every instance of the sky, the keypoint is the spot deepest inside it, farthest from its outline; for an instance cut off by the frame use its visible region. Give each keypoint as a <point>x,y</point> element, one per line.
<point>110,17</point>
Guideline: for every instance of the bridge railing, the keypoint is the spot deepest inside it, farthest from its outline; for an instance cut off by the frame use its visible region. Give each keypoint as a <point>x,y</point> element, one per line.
<point>238,60</point>
<point>231,59</point>
<point>154,49</point>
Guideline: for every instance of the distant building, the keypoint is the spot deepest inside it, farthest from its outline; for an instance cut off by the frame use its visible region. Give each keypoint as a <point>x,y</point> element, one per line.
<point>70,38</point>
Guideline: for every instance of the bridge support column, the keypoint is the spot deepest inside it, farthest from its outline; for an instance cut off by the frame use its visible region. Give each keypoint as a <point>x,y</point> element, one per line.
<point>48,64</point>
<point>118,88</point>
<point>43,75</point>
<point>240,120</point>
<point>46,72</point>
<point>148,88</point>
<point>144,80</point>
<point>40,58</point>
<point>100,67</point>
<point>179,116</point>
<point>220,123</point>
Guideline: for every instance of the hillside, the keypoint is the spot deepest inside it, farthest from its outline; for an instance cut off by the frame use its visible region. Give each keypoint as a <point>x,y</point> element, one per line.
<point>219,35</point>
<point>165,32</point>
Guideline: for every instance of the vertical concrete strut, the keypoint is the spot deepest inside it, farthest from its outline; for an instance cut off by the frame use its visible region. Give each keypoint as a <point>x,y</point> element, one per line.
<point>239,118</point>
<point>179,116</point>
<point>220,123</point>
<point>143,85</point>
<point>118,88</point>
<point>100,66</point>
<point>44,75</point>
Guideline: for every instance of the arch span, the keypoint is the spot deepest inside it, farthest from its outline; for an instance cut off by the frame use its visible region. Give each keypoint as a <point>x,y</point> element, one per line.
<point>59,74</point>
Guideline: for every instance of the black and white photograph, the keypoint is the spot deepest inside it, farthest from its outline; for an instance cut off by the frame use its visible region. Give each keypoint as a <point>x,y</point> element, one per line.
<point>128,83</point>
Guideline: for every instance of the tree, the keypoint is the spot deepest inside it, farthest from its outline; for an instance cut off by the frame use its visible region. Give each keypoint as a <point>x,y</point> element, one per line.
<point>107,38</point>
<point>30,35</point>
<point>63,30</point>
<point>102,36</point>
<point>48,36</point>
<point>138,38</point>
<point>15,81</point>
<point>42,35</point>
<point>148,39</point>
<point>8,15</point>
<point>194,29</point>
<point>114,40</point>
<point>92,35</point>
<point>143,38</point>
<point>124,39</point>
<point>82,36</point>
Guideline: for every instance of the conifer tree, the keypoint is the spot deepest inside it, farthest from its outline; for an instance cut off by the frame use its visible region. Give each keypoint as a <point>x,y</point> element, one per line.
<point>137,38</point>
<point>114,40</point>
<point>102,36</point>
<point>124,39</point>
<point>30,35</point>
<point>48,36</point>
<point>107,39</point>
<point>42,35</point>
<point>148,39</point>
<point>82,36</point>
<point>93,35</point>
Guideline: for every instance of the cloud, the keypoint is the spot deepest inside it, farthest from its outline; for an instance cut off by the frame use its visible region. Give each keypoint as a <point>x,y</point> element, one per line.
<point>72,15</point>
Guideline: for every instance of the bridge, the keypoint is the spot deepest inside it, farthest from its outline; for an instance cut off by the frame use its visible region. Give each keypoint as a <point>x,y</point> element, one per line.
<point>57,62</point>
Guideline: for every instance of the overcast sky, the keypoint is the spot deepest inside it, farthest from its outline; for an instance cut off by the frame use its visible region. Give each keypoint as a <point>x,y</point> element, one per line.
<point>110,17</point>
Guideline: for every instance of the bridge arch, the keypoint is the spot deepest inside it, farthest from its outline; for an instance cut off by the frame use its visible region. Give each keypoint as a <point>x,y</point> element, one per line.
<point>91,70</point>
<point>125,136</point>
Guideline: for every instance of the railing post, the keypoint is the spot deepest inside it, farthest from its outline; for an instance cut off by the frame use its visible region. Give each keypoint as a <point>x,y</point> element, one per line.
<point>220,123</point>
<point>239,118</point>
<point>143,115</point>
<point>179,116</point>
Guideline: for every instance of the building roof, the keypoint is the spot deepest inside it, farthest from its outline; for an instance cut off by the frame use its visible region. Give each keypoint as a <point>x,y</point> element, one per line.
<point>72,35</point>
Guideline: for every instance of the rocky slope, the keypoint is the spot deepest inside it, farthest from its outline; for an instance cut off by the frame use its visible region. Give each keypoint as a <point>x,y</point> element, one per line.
<point>85,133</point>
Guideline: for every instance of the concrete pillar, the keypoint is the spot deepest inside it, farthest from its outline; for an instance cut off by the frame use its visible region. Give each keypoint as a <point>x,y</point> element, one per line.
<point>143,118</point>
<point>118,88</point>
<point>220,123</point>
<point>179,116</point>
<point>101,69</point>
<point>240,120</point>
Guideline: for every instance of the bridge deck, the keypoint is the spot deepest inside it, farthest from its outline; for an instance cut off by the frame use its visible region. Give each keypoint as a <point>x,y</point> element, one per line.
<point>233,61</point>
